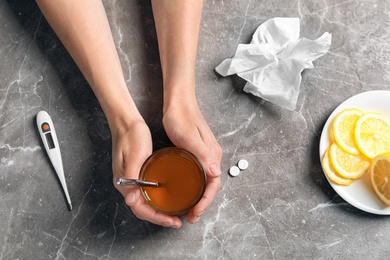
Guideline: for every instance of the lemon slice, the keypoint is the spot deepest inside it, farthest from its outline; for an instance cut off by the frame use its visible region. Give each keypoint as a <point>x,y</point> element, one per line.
<point>372,134</point>
<point>380,177</point>
<point>347,165</point>
<point>331,172</point>
<point>343,127</point>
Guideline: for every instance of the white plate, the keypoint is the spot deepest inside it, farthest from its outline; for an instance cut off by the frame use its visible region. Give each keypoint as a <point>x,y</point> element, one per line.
<point>359,194</point>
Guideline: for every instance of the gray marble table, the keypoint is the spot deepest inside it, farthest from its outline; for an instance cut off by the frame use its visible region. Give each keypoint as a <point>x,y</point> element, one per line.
<point>281,207</point>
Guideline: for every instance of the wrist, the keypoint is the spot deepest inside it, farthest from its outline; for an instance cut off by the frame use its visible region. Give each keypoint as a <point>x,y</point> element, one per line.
<point>177,96</point>
<point>123,119</point>
<point>120,111</point>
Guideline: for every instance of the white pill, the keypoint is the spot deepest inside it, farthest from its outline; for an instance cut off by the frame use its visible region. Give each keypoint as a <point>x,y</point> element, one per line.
<point>243,164</point>
<point>234,171</point>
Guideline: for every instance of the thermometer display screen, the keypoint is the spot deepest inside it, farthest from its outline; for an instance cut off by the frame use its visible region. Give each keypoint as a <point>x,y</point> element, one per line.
<point>49,140</point>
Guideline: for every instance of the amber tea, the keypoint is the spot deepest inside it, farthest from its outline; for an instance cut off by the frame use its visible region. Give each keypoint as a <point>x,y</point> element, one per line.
<point>181,180</point>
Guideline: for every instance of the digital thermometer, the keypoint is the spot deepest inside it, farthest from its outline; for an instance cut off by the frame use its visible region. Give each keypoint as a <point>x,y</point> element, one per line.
<point>50,141</point>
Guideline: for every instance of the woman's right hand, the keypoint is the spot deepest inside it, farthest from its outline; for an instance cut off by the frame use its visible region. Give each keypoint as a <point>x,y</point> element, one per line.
<point>131,146</point>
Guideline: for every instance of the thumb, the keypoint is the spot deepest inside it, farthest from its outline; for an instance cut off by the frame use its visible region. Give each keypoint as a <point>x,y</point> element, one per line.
<point>131,198</point>
<point>214,170</point>
<point>210,158</point>
<point>130,170</point>
<point>132,166</point>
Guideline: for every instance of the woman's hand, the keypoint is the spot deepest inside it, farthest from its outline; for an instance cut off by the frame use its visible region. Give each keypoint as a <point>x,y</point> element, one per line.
<point>132,144</point>
<point>186,128</point>
<point>177,26</point>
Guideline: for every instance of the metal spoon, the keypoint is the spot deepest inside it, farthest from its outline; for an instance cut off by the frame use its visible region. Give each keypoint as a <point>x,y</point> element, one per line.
<point>135,182</point>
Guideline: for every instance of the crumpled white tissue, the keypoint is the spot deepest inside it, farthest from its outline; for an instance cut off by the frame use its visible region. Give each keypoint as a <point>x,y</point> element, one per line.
<point>273,61</point>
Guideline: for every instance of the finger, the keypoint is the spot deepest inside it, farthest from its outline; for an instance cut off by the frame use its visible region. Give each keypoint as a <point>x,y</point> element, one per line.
<point>132,164</point>
<point>212,188</point>
<point>209,152</point>
<point>143,211</point>
<point>128,167</point>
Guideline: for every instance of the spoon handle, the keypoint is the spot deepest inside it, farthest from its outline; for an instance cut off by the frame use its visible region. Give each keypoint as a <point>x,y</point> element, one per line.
<point>135,182</point>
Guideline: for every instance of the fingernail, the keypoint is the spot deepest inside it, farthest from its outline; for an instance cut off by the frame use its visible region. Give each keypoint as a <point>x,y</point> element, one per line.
<point>215,170</point>
<point>167,224</point>
<point>176,226</point>
<point>196,219</point>
<point>130,198</point>
<point>200,213</point>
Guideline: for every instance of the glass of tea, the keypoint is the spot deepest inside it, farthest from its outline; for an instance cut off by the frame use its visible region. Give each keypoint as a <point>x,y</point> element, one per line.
<point>181,180</point>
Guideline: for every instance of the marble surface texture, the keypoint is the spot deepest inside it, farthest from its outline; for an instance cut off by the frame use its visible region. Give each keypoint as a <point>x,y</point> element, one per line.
<point>281,207</point>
